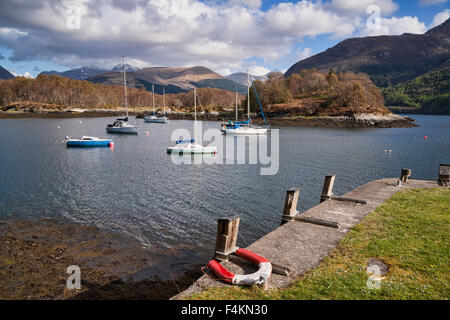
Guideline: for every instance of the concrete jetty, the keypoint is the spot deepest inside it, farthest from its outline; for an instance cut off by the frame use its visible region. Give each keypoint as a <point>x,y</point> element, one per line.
<point>300,245</point>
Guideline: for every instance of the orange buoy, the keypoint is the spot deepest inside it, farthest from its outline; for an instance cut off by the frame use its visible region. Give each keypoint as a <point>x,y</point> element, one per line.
<point>426,137</point>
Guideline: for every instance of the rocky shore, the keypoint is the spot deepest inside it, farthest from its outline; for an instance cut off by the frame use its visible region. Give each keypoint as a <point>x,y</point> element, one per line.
<point>34,256</point>
<point>346,121</point>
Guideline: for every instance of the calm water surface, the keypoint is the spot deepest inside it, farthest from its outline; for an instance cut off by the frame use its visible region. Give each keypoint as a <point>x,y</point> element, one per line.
<point>135,188</point>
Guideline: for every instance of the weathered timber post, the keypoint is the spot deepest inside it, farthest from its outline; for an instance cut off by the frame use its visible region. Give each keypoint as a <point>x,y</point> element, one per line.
<point>444,175</point>
<point>406,173</point>
<point>327,190</point>
<point>290,205</point>
<point>227,232</point>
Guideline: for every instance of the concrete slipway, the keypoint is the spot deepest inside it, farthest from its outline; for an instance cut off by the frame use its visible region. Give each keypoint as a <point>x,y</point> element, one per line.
<point>301,246</point>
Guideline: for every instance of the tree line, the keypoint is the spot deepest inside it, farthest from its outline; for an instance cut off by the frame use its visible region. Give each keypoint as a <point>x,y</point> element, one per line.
<point>344,89</point>
<point>63,92</point>
<point>429,93</point>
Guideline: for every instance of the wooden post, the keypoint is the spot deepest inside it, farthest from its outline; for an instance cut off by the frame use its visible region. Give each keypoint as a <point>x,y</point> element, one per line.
<point>327,190</point>
<point>444,175</point>
<point>227,232</point>
<point>290,205</point>
<point>406,173</point>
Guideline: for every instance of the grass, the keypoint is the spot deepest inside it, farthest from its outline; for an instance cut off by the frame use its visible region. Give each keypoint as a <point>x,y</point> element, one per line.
<point>410,233</point>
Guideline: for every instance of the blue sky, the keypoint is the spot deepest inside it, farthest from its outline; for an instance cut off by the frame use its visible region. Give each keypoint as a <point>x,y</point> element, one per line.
<point>226,36</point>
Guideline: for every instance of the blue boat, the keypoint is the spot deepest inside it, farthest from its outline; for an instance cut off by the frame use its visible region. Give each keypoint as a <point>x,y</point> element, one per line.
<point>89,142</point>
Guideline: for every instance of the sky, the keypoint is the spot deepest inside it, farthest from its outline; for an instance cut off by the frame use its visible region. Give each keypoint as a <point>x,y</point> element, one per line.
<point>224,35</point>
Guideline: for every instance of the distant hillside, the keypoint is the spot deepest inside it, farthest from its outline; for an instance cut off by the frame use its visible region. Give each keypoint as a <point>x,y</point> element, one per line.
<point>79,73</point>
<point>241,77</point>
<point>429,93</point>
<point>224,84</point>
<point>5,74</point>
<point>174,80</point>
<point>388,60</point>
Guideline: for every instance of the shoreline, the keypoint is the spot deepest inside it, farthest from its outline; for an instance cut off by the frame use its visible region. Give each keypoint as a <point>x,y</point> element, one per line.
<point>354,121</point>
<point>35,254</point>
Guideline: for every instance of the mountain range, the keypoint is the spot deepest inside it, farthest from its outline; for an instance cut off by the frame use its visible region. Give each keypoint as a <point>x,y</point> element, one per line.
<point>388,60</point>
<point>174,80</point>
<point>5,74</point>
<point>83,73</point>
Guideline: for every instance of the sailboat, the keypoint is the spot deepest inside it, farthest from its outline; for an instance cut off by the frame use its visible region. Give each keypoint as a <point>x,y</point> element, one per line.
<point>245,127</point>
<point>153,118</point>
<point>189,146</point>
<point>122,125</point>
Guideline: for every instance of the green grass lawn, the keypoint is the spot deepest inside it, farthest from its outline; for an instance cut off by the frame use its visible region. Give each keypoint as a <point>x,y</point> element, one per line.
<point>410,233</point>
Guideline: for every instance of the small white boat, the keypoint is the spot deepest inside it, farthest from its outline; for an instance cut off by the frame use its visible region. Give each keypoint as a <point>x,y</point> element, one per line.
<point>242,130</point>
<point>245,127</point>
<point>190,147</point>
<point>122,125</point>
<point>153,118</point>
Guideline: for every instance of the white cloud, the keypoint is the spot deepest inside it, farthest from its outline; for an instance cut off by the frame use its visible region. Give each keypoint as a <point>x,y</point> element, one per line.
<point>302,54</point>
<point>396,26</point>
<point>440,18</point>
<point>11,33</point>
<point>306,19</point>
<point>258,70</point>
<point>359,7</point>
<point>26,74</point>
<point>224,72</point>
<point>218,35</point>
<point>431,2</point>
<point>249,3</point>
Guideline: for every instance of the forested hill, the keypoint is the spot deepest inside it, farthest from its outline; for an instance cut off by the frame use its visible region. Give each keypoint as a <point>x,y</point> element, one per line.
<point>388,60</point>
<point>429,94</point>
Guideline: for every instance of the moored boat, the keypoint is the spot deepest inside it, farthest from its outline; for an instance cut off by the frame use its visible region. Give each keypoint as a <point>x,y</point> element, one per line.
<point>87,141</point>
<point>122,125</point>
<point>190,147</point>
<point>154,118</point>
<point>246,127</point>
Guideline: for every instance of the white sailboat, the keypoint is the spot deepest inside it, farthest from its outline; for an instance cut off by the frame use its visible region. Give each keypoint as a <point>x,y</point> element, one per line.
<point>244,127</point>
<point>153,118</point>
<point>122,125</point>
<point>189,146</point>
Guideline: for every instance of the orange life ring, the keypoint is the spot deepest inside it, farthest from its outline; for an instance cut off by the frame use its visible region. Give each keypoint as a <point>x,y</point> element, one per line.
<point>260,277</point>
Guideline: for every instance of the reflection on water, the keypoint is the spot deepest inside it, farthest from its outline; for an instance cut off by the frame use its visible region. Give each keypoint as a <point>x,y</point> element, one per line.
<point>135,188</point>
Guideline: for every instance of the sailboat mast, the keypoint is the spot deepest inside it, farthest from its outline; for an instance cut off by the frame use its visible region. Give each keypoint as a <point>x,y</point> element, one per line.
<point>248,96</point>
<point>125,86</point>
<point>195,104</point>
<point>236,106</point>
<point>153,98</point>
<point>164,102</point>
